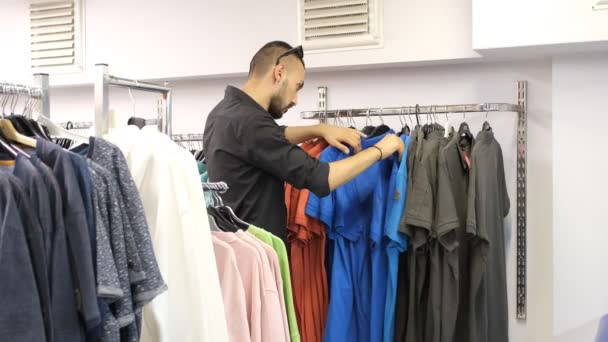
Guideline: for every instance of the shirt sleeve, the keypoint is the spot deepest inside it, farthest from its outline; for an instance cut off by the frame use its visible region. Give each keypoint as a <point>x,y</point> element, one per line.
<point>264,145</point>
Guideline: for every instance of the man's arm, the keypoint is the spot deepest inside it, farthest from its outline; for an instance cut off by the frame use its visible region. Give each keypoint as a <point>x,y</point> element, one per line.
<point>336,136</point>
<point>300,134</point>
<point>341,172</point>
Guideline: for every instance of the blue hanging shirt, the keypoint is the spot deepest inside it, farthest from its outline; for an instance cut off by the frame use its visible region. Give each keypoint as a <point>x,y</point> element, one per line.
<point>351,213</point>
<point>396,242</point>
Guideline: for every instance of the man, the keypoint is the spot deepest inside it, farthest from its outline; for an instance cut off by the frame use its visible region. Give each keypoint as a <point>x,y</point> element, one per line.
<point>245,147</point>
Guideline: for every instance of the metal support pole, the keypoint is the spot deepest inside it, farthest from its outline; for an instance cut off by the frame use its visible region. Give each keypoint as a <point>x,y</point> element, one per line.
<point>102,94</point>
<point>323,102</point>
<point>42,81</point>
<point>168,120</point>
<point>522,125</point>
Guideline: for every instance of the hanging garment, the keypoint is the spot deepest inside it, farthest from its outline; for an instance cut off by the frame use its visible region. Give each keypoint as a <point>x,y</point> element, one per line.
<point>233,293</point>
<point>250,266</point>
<point>452,214</point>
<point>279,247</point>
<point>66,326</point>
<point>144,277</point>
<point>79,241</point>
<point>21,313</point>
<point>488,204</point>
<point>396,241</point>
<point>167,177</point>
<point>36,199</point>
<point>114,283</point>
<point>417,224</point>
<point>274,320</point>
<point>348,213</point>
<point>307,256</point>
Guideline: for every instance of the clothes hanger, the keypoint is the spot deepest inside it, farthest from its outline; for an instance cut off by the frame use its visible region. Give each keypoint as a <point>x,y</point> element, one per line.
<point>226,212</point>
<point>351,121</point>
<point>11,134</point>
<point>213,224</point>
<point>18,124</point>
<point>220,221</point>
<point>24,124</point>
<point>405,129</point>
<point>38,129</point>
<point>449,128</point>
<point>368,123</point>
<point>464,133</point>
<point>486,125</point>
<point>382,128</point>
<point>58,131</point>
<point>4,144</point>
<point>417,117</point>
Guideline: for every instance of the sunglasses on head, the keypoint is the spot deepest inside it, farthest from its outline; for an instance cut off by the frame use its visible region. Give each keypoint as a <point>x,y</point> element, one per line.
<point>298,51</point>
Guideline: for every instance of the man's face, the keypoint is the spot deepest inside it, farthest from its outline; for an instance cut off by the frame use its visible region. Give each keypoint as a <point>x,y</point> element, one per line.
<point>289,84</point>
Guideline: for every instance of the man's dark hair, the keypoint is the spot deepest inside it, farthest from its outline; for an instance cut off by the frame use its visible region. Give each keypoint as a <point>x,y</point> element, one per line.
<point>266,57</point>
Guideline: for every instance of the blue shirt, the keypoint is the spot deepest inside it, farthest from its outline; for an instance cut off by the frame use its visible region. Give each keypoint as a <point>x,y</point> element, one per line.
<point>352,214</point>
<point>396,241</point>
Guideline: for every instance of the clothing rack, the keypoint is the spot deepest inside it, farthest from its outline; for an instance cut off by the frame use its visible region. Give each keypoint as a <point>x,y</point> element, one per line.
<point>76,125</point>
<point>187,137</point>
<point>520,108</point>
<point>411,110</point>
<point>104,80</point>
<point>39,92</point>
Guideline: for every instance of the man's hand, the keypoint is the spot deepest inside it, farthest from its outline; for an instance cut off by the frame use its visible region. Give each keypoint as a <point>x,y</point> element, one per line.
<point>339,137</point>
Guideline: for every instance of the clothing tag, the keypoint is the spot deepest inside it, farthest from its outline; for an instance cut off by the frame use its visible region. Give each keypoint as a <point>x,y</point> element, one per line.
<point>397,195</point>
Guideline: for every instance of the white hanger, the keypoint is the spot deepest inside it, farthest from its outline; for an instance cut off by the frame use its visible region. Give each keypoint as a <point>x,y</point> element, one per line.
<point>58,131</point>
<point>449,127</point>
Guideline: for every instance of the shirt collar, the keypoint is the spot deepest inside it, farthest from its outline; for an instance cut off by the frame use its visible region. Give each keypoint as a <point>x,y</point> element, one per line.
<point>234,93</point>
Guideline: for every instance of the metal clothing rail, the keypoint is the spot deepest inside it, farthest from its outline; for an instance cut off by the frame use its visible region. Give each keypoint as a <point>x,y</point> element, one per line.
<point>411,110</point>
<point>39,92</point>
<point>187,137</point>
<point>76,125</point>
<point>520,108</point>
<point>104,80</point>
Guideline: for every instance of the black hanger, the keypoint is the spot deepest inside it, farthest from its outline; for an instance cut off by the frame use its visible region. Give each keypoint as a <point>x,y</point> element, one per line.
<point>28,128</point>
<point>221,221</point>
<point>38,130</point>
<point>417,118</point>
<point>228,214</point>
<point>6,145</point>
<point>18,125</point>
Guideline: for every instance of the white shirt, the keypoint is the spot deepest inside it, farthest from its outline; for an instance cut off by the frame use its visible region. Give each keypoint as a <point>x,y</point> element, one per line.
<point>167,178</point>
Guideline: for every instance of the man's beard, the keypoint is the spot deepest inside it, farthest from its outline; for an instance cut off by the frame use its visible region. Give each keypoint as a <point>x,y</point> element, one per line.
<point>276,108</point>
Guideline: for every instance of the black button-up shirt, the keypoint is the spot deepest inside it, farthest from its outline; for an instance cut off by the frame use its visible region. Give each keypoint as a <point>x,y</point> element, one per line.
<point>245,148</point>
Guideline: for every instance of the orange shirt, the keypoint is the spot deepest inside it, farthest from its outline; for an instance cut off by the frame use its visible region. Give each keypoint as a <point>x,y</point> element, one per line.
<point>307,258</point>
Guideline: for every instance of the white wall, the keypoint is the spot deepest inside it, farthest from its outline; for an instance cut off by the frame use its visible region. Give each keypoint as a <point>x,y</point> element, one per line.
<point>502,24</point>
<point>14,59</point>
<point>209,38</point>
<point>580,231</point>
<point>491,82</point>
